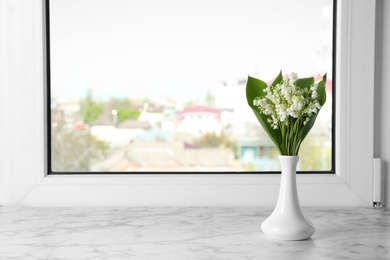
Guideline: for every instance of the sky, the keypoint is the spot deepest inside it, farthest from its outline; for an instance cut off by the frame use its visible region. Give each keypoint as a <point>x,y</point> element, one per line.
<point>129,48</point>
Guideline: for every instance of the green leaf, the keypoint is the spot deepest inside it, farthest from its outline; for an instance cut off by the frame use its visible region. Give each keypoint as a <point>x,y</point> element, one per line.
<point>321,90</point>
<point>305,82</point>
<point>278,79</point>
<point>254,88</point>
<point>274,134</point>
<point>306,128</point>
<point>322,95</point>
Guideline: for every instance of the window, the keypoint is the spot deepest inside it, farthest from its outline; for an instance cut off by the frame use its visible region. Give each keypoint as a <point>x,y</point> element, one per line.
<point>151,86</point>
<point>23,168</point>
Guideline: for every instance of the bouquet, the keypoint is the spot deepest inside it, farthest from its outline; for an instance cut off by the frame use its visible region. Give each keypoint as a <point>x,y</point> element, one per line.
<point>287,109</point>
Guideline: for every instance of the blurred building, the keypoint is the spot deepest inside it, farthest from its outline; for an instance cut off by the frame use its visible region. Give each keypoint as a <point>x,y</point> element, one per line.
<point>199,120</point>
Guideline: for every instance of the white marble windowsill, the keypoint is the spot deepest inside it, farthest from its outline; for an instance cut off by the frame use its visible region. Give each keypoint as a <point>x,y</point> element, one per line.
<point>187,233</point>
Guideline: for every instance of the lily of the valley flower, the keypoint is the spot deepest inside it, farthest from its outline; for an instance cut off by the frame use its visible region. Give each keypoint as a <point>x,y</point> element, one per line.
<point>288,100</point>
<point>287,108</point>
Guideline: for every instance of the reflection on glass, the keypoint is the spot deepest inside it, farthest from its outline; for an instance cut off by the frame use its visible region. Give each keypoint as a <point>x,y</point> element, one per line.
<point>159,86</point>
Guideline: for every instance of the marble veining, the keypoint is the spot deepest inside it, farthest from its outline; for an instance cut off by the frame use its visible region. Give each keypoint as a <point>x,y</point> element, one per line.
<point>187,233</point>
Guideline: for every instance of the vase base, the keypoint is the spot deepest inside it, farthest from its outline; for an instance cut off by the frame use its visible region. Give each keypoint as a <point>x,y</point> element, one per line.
<point>282,239</point>
<point>279,229</point>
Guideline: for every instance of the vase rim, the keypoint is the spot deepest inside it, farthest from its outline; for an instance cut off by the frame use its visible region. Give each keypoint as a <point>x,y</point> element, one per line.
<point>289,156</point>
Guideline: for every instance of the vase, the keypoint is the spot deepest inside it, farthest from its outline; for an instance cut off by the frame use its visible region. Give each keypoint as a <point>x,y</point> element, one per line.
<point>287,221</point>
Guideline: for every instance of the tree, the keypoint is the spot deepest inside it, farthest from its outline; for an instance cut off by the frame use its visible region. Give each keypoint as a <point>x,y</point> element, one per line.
<point>124,107</point>
<point>210,99</point>
<point>214,140</point>
<point>75,151</point>
<point>130,114</point>
<point>316,153</point>
<point>90,109</point>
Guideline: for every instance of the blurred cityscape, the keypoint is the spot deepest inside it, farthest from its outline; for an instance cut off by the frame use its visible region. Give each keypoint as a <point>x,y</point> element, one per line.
<point>216,133</point>
<point>155,104</point>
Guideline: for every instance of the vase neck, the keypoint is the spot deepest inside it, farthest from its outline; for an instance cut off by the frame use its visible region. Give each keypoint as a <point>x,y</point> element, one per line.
<point>288,163</point>
<point>288,194</point>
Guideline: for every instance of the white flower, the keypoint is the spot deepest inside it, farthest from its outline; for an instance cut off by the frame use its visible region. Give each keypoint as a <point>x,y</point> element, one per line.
<point>293,77</point>
<point>286,100</point>
<point>256,102</point>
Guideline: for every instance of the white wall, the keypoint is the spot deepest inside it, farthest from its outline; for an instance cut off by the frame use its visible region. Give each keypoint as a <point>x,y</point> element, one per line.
<point>382,91</point>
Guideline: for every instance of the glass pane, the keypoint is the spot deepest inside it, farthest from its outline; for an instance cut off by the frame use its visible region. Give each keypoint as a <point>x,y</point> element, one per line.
<point>159,86</point>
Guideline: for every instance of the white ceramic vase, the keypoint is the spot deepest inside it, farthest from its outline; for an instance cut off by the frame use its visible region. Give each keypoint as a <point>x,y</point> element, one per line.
<point>287,221</point>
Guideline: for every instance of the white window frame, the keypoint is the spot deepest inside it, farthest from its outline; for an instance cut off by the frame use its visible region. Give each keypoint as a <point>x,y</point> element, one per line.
<point>23,179</point>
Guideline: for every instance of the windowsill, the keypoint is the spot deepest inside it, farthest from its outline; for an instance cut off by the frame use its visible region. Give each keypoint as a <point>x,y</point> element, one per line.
<point>187,179</point>
<point>187,233</point>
